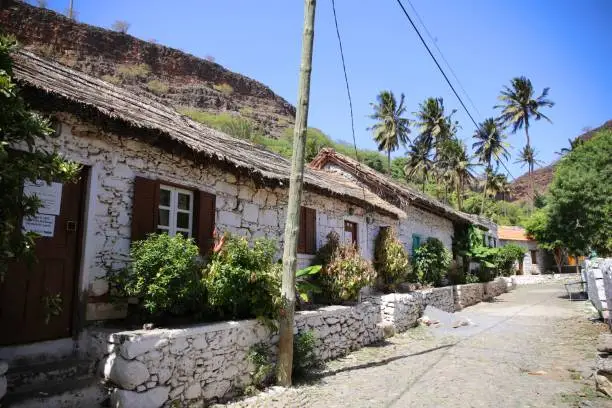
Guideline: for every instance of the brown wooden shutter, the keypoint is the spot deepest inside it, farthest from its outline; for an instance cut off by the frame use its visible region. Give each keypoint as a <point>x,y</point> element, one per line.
<point>145,205</point>
<point>307,239</point>
<point>204,221</point>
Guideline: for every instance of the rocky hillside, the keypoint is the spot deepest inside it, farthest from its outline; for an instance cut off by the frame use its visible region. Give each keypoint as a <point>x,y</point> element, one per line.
<point>177,78</point>
<point>519,188</point>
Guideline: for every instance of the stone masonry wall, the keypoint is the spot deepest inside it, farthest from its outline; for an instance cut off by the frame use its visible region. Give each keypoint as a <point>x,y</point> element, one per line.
<point>241,207</point>
<point>599,285</point>
<point>209,362</point>
<point>468,295</point>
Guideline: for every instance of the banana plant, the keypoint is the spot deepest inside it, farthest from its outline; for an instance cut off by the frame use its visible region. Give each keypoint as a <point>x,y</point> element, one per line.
<point>304,287</point>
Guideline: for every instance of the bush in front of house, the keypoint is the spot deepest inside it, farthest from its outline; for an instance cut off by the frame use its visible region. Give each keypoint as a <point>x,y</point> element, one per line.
<point>243,281</point>
<point>508,255</point>
<point>344,272</point>
<point>390,259</point>
<point>431,262</point>
<point>164,275</point>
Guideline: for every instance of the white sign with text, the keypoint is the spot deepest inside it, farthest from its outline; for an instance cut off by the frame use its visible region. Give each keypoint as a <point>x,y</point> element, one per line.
<point>49,194</point>
<point>42,224</point>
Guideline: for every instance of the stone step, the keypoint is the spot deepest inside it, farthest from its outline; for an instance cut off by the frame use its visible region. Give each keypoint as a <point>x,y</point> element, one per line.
<point>29,377</point>
<point>86,392</point>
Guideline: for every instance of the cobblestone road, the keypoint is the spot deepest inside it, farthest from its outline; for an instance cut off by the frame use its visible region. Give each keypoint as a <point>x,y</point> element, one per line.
<point>529,348</point>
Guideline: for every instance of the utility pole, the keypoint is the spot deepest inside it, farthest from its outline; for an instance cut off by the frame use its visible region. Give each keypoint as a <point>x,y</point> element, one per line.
<point>71,10</point>
<point>292,224</point>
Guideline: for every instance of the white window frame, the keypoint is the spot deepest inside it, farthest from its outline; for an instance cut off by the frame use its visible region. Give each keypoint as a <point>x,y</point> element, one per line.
<point>173,210</point>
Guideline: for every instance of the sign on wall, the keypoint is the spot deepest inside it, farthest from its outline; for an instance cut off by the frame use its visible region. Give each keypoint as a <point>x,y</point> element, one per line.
<point>50,195</point>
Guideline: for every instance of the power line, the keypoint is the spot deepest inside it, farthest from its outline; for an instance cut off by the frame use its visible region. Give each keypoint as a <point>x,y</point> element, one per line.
<point>399,2</point>
<point>444,58</point>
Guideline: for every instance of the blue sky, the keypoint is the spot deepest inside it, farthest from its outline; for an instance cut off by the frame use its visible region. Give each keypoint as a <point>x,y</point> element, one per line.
<point>562,44</point>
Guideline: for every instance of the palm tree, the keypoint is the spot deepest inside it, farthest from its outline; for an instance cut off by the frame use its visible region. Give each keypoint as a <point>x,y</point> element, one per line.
<point>434,126</point>
<point>392,128</point>
<point>528,157</point>
<point>489,148</point>
<point>455,167</point>
<point>419,163</point>
<point>573,144</point>
<point>519,106</point>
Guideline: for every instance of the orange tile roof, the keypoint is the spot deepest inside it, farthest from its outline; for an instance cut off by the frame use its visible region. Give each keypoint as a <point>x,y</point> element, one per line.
<point>512,233</point>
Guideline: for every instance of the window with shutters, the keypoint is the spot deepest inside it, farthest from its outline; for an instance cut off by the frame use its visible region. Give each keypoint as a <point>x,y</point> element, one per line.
<point>350,233</point>
<point>416,242</point>
<point>307,239</point>
<point>175,213</point>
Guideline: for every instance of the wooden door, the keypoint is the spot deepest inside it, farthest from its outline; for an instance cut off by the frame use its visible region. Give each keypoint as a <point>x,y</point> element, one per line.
<point>37,302</point>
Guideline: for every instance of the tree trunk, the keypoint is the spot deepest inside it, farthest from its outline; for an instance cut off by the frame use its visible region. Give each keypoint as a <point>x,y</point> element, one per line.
<point>292,225</point>
<point>484,191</point>
<point>529,166</point>
<point>389,160</point>
<point>71,10</point>
<point>459,191</point>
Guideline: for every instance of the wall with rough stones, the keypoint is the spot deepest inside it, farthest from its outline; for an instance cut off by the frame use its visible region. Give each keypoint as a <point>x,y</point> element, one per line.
<point>399,309</point>
<point>519,280</point>
<point>468,295</point>
<point>241,207</point>
<point>597,272</point>
<point>209,362</point>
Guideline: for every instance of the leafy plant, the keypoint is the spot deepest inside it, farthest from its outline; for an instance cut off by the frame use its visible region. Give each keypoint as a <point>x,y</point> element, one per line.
<point>303,282</point>
<point>133,71</point>
<point>243,281</point>
<point>52,305</point>
<point>164,274</point>
<point>263,368</point>
<point>390,258</point>
<point>344,272</point>
<point>431,261</point>
<point>305,359</point>
<point>19,126</point>
<point>507,256</point>
<point>157,87</point>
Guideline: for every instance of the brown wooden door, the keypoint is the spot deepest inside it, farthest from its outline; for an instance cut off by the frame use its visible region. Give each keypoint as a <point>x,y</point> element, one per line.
<point>27,294</point>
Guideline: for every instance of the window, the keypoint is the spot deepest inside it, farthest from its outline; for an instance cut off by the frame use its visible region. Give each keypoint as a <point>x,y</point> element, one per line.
<point>175,214</point>
<point>307,239</point>
<point>416,242</point>
<point>350,233</point>
<point>534,257</point>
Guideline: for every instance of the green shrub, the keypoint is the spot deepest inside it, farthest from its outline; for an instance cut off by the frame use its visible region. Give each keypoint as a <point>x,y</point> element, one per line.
<point>304,285</point>
<point>344,272</point>
<point>113,79</point>
<point>133,71</point>
<point>430,262</point>
<point>305,359</point>
<point>164,274</point>
<point>158,87</point>
<point>232,125</point>
<point>225,89</point>
<point>507,256</point>
<point>243,281</point>
<point>263,367</point>
<point>390,258</point>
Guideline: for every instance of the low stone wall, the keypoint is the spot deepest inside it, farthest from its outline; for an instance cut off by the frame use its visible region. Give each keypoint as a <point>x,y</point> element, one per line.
<point>519,280</point>
<point>155,368</point>
<point>401,310</point>
<point>441,298</point>
<point>599,284</point>
<point>495,288</point>
<point>468,295</point>
<point>3,370</point>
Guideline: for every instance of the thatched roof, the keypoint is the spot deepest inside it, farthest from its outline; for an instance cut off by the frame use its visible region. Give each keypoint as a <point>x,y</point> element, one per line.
<point>52,87</point>
<point>393,191</point>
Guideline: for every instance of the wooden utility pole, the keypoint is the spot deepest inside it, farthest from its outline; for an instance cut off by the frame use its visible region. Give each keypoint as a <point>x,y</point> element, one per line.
<point>71,10</point>
<point>292,224</point>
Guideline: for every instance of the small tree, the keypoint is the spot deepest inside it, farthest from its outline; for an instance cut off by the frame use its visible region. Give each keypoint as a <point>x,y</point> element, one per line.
<point>21,127</point>
<point>390,258</point>
<point>121,26</point>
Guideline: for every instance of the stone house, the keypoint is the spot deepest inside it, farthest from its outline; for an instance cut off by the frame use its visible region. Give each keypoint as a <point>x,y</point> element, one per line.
<point>147,168</point>
<point>425,216</point>
<point>536,260</point>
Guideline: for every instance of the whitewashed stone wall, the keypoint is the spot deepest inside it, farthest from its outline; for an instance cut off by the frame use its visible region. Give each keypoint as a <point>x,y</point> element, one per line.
<point>442,298</point>
<point>241,207</point>
<point>468,295</point>
<point>209,362</point>
<point>399,309</point>
<point>519,280</point>
<point>597,272</point>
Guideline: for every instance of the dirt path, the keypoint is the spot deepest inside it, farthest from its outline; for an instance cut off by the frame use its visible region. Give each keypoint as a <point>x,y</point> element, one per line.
<point>529,348</point>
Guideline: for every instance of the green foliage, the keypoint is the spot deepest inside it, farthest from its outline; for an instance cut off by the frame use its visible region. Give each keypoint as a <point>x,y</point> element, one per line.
<point>260,358</point>
<point>305,359</point>
<point>133,72</point>
<point>157,87</point>
<point>224,88</point>
<point>164,275</point>
<point>19,126</point>
<point>232,125</point>
<point>304,282</point>
<point>390,258</point>
<point>431,261</point>
<point>507,256</point>
<point>344,272</point>
<point>243,281</point>
<point>578,214</point>
<point>391,129</point>
<point>501,212</point>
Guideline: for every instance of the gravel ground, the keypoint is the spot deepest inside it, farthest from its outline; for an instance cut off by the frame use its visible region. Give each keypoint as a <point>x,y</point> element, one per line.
<point>529,348</point>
